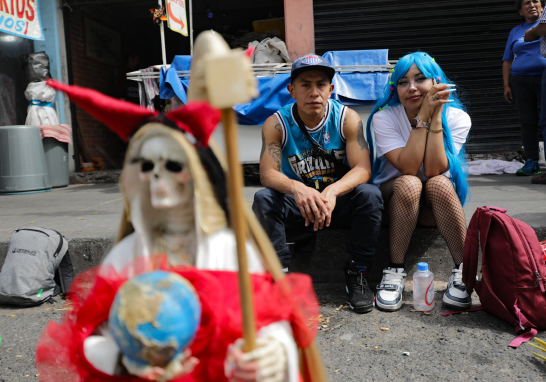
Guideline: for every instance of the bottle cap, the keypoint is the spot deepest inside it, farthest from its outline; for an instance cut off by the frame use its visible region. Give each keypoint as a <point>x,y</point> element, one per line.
<point>422,266</point>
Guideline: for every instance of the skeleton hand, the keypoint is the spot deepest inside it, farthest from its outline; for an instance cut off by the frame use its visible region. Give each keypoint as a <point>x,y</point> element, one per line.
<point>266,363</point>
<point>180,365</point>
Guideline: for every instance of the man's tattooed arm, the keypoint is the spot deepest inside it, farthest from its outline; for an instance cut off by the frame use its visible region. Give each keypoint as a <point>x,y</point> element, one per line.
<point>360,137</point>
<point>274,149</point>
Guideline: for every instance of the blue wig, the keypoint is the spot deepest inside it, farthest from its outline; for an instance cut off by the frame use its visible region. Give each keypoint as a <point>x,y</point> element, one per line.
<point>428,66</point>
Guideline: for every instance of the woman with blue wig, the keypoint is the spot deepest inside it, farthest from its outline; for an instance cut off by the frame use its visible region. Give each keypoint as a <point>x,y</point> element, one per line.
<point>420,128</point>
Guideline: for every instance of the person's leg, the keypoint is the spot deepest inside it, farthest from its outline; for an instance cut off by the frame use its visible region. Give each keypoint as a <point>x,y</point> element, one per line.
<point>449,216</point>
<point>404,194</point>
<point>277,212</point>
<point>526,103</point>
<point>543,105</point>
<point>541,179</point>
<point>403,215</point>
<point>361,211</point>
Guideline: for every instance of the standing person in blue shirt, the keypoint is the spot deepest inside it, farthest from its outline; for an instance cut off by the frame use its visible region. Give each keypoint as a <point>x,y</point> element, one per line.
<point>315,166</point>
<point>522,69</point>
<point>539,32</point>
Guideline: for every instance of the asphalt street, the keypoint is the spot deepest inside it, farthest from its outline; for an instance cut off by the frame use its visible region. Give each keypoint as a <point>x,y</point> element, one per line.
<point>354,347</point>
<point>469,347</point>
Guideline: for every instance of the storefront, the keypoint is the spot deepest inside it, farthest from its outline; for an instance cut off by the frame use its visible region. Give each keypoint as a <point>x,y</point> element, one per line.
<point>466,37</point>
<point>137,45</point>
<point>31,26</point>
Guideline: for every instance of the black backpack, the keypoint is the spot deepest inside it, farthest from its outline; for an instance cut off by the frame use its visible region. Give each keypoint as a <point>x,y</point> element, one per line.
<point>37,267</point>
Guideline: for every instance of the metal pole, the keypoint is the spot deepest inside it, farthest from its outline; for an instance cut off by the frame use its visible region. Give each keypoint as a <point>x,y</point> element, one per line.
<point>191,29</point>
<point>162,31</point>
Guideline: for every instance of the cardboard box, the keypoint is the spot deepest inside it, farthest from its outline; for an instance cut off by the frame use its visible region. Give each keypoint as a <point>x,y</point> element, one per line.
<point>274,26</point>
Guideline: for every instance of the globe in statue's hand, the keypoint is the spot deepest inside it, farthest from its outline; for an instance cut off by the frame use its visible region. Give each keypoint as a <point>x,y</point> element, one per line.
<point>154,317</point>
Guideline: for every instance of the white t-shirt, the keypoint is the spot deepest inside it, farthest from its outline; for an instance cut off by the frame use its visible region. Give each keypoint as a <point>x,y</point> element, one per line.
<point>392,129</point>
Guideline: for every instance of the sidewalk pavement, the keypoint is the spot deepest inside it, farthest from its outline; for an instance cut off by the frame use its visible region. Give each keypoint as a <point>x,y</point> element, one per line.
<point>89,215</point>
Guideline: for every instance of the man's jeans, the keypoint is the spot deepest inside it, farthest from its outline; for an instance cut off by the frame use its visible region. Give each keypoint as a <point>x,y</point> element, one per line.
<point>543,106</point>
<point>359,210</point>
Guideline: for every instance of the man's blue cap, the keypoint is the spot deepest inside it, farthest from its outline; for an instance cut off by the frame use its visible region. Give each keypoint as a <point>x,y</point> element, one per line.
<point>311,62</point>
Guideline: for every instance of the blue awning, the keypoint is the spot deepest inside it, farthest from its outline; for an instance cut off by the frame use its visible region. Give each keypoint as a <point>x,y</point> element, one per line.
<point>350,88</point>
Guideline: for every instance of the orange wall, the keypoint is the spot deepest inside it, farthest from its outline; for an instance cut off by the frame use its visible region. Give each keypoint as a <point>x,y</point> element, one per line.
<point>299,27</point>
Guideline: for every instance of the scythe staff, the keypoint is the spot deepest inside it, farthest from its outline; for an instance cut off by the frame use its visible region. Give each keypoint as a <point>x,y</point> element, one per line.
<point>224,78</point>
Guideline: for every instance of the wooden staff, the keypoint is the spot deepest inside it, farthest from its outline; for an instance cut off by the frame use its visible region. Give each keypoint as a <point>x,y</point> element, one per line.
<point>238,225</point>
<point>224,78</point>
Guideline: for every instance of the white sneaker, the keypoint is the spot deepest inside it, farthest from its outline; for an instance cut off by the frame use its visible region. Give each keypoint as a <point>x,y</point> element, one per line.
<point>389,292</point>
<point>457,295</point>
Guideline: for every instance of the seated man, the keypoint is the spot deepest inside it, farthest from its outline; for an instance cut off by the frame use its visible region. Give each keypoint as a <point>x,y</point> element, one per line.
<point>315,164</point>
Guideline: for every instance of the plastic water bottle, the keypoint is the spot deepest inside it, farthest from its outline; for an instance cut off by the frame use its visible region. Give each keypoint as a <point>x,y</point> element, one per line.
<point>423,288</point>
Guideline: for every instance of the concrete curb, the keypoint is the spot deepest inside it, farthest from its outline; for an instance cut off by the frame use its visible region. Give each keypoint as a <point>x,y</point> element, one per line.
<point>324,264</point>
<point>85,253</point>
<point>96,177</point>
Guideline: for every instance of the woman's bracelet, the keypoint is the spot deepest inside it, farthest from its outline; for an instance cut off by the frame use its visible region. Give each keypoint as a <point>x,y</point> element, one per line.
<point>435,131</point>
<point>420,123</point>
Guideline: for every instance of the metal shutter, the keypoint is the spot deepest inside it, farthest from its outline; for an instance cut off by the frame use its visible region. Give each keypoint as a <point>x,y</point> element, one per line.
<point>467,38</point>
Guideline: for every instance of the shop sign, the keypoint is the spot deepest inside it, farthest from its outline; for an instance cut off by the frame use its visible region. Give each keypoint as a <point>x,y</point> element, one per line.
<point>21,18</point>
<point>176,16</point>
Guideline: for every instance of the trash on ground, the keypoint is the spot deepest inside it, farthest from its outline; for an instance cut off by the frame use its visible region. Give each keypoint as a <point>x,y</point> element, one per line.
<point>80,218</point>
<point>405,353</point>
<point>321,318</point>
<point>384,329</point>
<point>94,213</point>
<point>541,346</point>
<point>339,307</point>
<point>337,327</point>
<point>493,167</point>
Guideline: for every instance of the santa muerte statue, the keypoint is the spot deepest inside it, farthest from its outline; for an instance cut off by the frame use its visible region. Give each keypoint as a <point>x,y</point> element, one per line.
<point>123,326</point>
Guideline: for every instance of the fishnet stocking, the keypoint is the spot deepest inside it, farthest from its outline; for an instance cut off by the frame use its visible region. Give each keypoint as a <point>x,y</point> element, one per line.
<point>449,214</point>
<point>401,200</point>
<point>406,204</point>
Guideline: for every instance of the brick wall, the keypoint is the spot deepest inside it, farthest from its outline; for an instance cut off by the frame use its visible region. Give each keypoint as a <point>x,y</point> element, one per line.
<point>95,75</point>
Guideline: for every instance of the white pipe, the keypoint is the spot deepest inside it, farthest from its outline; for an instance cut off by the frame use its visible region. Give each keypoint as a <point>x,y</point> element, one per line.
<point>162,31</point>
<point>191,29</point>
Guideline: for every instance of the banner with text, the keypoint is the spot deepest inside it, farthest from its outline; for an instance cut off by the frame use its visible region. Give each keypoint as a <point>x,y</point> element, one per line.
<point>176,15</point>
<point>21,18</point>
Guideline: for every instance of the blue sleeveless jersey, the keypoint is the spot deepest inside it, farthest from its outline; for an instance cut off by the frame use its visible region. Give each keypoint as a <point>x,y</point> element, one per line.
<point>297,152</point>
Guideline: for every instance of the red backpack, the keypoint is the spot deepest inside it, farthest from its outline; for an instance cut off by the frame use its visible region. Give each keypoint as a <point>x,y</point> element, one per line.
<point>513,270</point>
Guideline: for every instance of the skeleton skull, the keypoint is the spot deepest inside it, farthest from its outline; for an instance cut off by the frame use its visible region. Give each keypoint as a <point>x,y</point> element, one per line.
<point>165,166</point>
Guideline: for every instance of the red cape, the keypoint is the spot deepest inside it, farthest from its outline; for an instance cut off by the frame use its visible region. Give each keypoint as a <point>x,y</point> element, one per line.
<point>60,356</point>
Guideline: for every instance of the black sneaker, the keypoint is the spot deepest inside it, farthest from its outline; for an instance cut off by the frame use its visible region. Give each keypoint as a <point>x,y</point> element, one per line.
<point>360,295</point>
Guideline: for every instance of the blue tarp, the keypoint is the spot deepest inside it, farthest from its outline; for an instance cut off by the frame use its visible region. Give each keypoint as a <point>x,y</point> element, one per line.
<point>350,88</point>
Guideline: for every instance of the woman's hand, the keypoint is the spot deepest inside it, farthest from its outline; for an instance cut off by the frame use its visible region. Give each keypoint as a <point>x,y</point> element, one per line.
<point>508,94</point>
<point>437,113</point>
<point>437,96</point>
